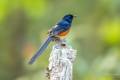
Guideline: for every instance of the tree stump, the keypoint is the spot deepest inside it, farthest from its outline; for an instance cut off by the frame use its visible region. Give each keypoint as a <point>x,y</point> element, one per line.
<point>61,62</point>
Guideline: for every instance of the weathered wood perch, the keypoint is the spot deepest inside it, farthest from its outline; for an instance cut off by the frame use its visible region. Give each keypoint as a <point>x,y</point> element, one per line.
<point>61,62</point>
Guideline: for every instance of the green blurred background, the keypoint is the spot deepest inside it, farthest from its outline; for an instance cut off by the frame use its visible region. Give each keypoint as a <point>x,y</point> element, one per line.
<point>95,34</point>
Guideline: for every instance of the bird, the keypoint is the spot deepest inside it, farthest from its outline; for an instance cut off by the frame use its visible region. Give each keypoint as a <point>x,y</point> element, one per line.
<point>61,29</point>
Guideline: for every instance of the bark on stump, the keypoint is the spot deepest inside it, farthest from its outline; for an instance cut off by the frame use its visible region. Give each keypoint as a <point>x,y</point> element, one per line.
<point>61,62</point>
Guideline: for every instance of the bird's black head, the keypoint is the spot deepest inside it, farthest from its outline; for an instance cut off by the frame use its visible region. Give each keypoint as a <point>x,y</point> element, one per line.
<point>68,17</point>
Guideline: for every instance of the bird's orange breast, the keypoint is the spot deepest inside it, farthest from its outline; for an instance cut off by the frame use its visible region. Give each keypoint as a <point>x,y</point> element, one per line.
<point>64,33</point>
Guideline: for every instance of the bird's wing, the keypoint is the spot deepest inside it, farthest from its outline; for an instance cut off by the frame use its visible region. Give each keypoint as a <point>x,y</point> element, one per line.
<point>61,27</point>
<point>41,50</point>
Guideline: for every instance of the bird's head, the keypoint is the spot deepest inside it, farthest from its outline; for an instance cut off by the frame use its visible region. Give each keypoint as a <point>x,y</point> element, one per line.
<point>68,17</point>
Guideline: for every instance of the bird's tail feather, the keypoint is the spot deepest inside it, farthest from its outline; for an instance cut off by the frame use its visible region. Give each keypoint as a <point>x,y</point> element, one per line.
<point>41,50</point>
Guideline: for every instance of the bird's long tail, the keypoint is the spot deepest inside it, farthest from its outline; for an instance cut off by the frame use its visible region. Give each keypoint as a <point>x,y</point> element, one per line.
<point>41,50</point>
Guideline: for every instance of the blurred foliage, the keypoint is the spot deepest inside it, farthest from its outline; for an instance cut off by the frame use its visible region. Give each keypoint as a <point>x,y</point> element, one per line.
<point>95,34</point>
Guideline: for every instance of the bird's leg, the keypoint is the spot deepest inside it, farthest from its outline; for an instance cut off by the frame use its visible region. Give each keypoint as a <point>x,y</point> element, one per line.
<point>57,39</point>
<point>63,42</point>
<point>60,41</point>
